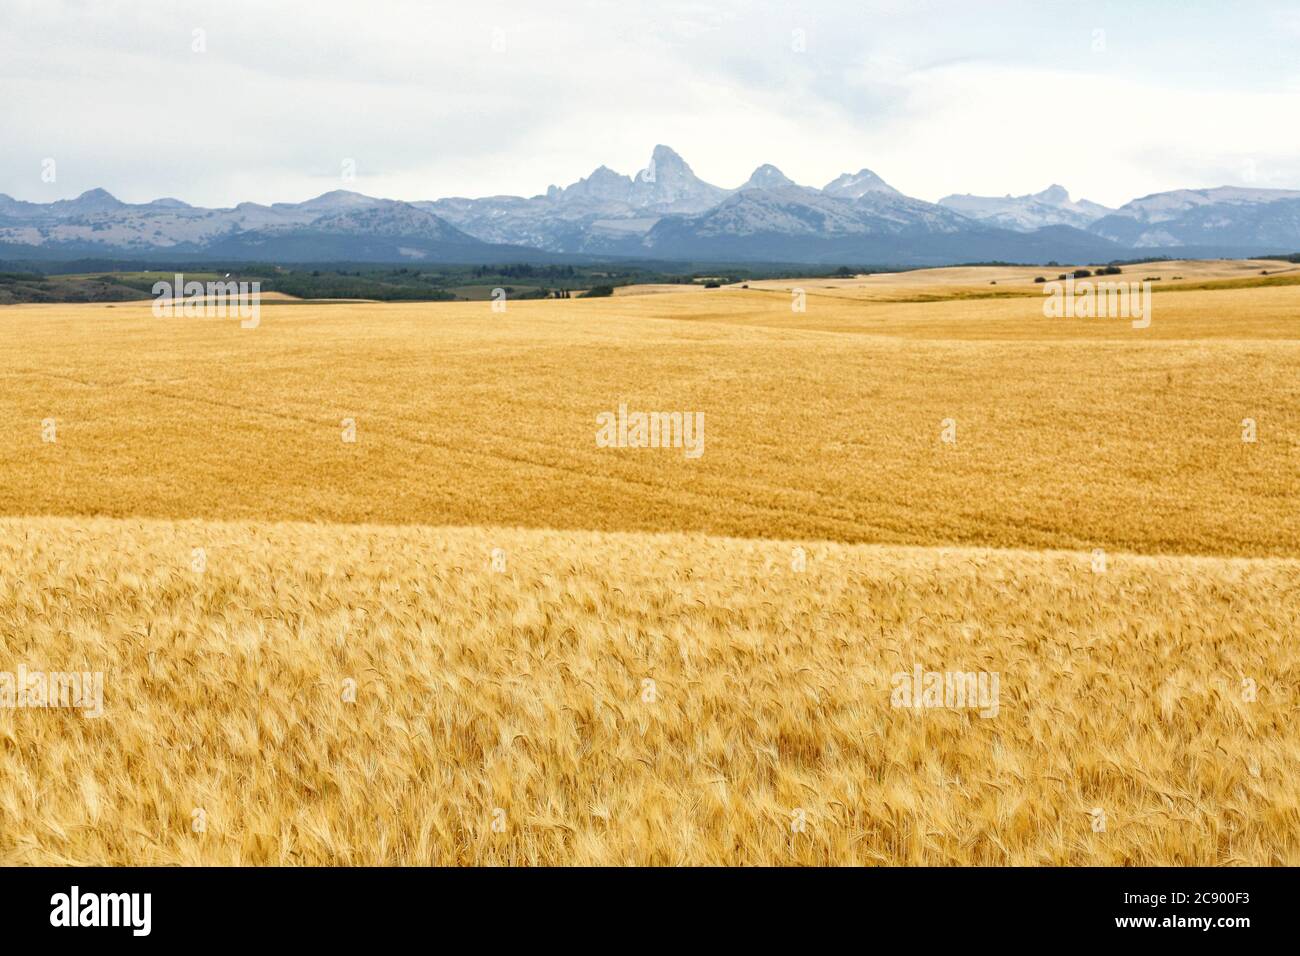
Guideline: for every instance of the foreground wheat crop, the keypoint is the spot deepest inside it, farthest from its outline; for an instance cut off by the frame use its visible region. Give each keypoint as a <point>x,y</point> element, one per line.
<point>629,698</point>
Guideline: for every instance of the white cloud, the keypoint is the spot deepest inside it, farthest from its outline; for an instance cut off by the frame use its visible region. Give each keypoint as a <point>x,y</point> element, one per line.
<point>937,98</point>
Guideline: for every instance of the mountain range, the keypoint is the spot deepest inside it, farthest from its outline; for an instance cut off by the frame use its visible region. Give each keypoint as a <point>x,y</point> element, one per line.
<point>666,212</point>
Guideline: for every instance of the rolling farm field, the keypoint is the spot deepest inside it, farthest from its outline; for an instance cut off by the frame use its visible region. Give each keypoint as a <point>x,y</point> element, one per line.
<point>366,587</point>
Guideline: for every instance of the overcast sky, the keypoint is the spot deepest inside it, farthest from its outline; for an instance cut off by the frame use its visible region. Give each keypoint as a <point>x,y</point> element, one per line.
<point>430,99</point>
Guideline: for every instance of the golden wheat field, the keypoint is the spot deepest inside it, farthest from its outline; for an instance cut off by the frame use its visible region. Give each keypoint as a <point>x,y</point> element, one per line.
<point>474,636</point>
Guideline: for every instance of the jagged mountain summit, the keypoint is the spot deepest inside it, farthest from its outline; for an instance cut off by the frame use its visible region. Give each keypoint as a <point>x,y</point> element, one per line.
<point>767,176</point>
<point>669,185</point>
<point>1051,207</point>
<point>665,211</point>
<point>856,185</point>
<point>600,213</point>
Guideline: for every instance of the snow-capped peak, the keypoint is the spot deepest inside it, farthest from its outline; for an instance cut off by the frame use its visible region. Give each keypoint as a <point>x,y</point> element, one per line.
<point>767,176</point>
<point>1055,194</point>
<point>857,185</point>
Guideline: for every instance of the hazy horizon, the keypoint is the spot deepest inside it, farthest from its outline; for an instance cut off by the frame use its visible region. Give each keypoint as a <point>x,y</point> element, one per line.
<point>352,187</point>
